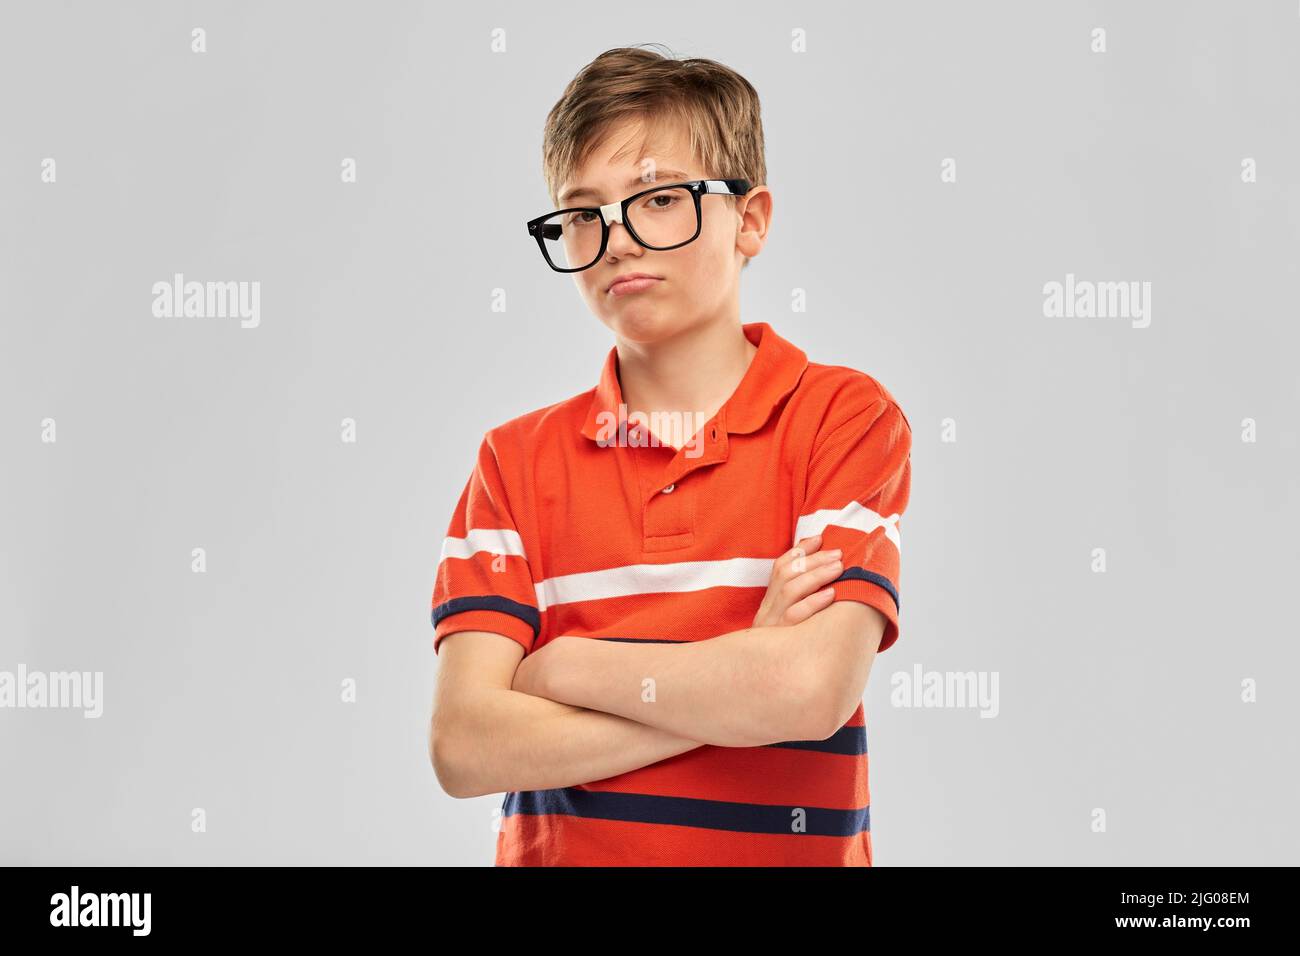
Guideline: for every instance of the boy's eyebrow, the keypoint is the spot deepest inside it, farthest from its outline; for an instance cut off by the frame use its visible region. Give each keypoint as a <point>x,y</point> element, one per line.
<point>668,175</point>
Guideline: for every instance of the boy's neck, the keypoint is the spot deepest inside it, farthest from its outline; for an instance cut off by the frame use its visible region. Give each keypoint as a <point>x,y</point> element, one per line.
<point>695,371</point>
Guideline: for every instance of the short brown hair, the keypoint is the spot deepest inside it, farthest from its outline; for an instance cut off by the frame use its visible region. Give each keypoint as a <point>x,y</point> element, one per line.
<point>719,107</point>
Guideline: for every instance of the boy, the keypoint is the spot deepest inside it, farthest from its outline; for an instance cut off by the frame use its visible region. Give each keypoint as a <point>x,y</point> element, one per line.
<point>630,646</point>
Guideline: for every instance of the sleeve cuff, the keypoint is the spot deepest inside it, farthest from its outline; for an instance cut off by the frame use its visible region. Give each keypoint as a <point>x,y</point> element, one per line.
<point>519,622</point>
<point>875,590</point>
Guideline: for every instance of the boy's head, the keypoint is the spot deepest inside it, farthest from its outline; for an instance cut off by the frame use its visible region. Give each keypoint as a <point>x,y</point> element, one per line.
<point>632,119</point>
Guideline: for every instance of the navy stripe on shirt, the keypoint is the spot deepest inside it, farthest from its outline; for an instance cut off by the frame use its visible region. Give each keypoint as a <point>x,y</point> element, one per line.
<point>687,812</point>
<point>490,602</point>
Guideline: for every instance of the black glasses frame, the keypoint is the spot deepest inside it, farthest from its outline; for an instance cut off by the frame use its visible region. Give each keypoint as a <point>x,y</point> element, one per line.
<point>617,212</point>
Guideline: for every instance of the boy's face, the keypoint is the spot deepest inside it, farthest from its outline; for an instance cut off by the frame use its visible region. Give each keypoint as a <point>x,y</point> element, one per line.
<point>695,284</point>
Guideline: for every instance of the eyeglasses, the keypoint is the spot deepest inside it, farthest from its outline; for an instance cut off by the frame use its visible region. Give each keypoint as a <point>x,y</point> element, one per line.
<point>659,218</point>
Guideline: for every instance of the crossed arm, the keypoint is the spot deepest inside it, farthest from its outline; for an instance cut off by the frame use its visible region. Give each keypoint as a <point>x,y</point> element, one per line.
<point>580,709</point>
<point>747,688</point>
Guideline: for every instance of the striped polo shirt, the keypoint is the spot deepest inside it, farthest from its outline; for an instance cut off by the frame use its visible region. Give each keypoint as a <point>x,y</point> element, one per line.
<point>577,521</point>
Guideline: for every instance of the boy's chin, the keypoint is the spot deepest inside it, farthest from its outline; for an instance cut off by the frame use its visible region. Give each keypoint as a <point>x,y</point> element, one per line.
<point>646,325</point>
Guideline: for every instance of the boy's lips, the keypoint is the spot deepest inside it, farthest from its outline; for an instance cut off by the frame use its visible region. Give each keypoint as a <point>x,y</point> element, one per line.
<point>632,282</point>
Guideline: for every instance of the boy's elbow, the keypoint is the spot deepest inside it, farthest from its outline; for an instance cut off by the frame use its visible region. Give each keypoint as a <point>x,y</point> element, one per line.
<point>817,695</point>
<point>812,708</point>
<point>813,720</point>
<point>447,765</point>
<point>788,715</point>
<point>785,720</point>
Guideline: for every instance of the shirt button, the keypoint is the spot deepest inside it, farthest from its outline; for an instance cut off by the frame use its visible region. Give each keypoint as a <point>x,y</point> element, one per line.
<point>670,488</point>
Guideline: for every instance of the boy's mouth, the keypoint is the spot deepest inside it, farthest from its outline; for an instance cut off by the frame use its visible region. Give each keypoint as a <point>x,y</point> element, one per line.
<point>632,282</point>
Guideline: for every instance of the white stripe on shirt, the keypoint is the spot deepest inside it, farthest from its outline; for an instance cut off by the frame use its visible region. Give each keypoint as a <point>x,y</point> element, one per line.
<point>853,515</point>
<point>494,540</point>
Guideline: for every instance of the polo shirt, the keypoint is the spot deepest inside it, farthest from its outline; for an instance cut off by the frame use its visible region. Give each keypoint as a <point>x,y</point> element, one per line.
<point>564,528</point>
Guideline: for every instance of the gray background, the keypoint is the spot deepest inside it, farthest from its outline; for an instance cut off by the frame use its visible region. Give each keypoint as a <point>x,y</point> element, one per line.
<point>1118,690</point>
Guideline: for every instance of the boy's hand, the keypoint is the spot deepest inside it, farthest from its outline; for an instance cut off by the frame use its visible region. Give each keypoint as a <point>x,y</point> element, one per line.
<point>797,590</point>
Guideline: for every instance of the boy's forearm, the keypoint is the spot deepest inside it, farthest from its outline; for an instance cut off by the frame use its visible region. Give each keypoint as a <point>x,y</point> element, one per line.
<point>742,689</point>
<point>505,740</point>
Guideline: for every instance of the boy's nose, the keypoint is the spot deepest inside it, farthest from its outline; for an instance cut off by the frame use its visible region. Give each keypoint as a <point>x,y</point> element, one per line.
<point>621,242</point>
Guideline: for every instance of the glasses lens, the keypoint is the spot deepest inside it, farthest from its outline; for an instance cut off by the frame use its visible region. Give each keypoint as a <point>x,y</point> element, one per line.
<point>665,217</point>
<point>572,238</point>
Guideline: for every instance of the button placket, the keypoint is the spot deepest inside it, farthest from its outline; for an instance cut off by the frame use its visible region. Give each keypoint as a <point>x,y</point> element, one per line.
<point>715,449</point>
<point>670,518</point>
<point>668,505</point>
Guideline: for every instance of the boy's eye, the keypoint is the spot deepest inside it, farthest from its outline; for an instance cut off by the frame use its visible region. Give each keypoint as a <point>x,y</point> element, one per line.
<point>664,200</point>
<point>581,218</point>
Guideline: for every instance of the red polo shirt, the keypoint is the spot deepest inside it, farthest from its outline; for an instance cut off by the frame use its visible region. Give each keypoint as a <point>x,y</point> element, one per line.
<point>565,529</point>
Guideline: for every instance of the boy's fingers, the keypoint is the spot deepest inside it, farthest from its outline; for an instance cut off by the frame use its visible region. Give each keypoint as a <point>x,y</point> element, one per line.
<point>785,560</point>
<point>817,566</point>
<point>797,564</point>
<point>810,605</point>
<point>802,585</point>
<point>804,548</point>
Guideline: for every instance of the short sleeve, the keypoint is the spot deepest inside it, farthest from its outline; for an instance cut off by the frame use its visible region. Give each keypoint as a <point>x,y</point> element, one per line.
<point>859,482</point>
<point>483,579</point>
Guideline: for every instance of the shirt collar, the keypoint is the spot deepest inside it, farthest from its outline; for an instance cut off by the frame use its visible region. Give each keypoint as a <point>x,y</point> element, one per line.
<point>773,373</point>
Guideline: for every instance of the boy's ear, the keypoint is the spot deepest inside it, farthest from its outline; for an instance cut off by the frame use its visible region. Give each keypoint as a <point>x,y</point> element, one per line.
<point>755,219</point>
